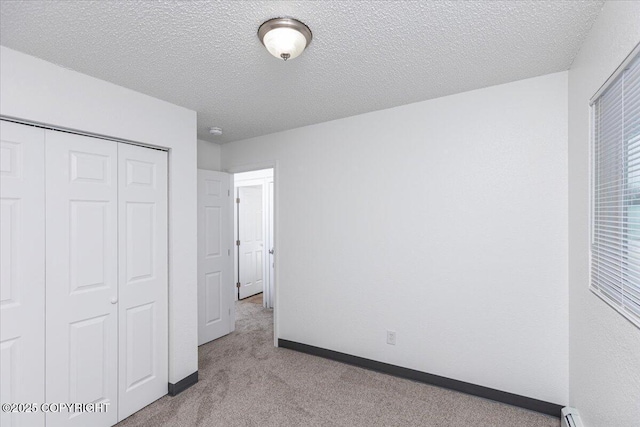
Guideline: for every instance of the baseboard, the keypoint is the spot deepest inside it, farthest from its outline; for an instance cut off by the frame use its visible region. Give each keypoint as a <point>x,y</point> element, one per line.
<point>183,384</point>
<point>423,377</point>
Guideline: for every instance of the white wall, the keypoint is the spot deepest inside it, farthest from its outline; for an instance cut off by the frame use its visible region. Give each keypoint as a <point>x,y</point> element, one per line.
<point>36,90</point>
<point>444,220</point>
<point>604,347</point>
<point>261,174</point>
<point>208,155</point>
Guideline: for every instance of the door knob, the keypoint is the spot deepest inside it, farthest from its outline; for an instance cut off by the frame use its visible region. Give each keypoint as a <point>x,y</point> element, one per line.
<point>271,251</point>
<point>114,300</point>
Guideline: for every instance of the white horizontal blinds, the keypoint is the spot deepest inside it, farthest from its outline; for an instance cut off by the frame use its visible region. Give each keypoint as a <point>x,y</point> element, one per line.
<point>608,209</point>
<point>615,252</point>
<point>631,123</point>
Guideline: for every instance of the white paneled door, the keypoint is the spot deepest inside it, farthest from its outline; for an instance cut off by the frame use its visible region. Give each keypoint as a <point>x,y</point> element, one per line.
<point>269,289</point>
<point>22,280</point>
<point>84,277</point>
<point>81,277</point>
<point>106,278</point>
<point>143,322</point>
<point>215,263</point>
<point>251,236</point>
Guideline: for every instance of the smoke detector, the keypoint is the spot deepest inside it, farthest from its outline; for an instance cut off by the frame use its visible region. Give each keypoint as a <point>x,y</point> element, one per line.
<point>215,131</point>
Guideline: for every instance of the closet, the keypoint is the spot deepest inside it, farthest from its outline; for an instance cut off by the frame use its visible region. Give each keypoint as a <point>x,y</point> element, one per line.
<point>84,262</point>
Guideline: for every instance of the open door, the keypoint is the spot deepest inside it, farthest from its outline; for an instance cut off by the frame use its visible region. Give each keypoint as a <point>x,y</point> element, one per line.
<point>251,239</point>
<point>215,259</point>
<point>268,289</point>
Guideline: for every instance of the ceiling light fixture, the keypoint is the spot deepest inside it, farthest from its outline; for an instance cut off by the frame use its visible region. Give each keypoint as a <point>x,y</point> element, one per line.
<point>284,38</point>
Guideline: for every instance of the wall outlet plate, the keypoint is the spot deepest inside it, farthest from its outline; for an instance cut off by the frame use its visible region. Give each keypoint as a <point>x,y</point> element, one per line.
<point>391,337</point>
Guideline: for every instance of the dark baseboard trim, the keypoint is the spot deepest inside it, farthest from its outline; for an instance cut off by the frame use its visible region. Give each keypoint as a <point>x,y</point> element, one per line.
<point>183,384</point>
<point>423,377</point>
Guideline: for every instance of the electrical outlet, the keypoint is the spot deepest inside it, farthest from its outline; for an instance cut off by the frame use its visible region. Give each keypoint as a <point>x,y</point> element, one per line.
<point>391,337</point>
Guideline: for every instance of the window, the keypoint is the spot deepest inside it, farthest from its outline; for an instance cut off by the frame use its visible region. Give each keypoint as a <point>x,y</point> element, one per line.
<point>615,216</point>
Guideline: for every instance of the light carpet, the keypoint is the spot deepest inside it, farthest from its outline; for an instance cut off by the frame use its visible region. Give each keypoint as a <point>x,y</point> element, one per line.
<point>246,381</point>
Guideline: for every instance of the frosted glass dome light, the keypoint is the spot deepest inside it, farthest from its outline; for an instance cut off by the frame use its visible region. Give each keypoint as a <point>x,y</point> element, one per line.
<point>284,38</point>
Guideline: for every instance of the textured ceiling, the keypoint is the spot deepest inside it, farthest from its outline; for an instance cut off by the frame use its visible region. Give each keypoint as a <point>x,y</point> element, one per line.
<point>364,56</point>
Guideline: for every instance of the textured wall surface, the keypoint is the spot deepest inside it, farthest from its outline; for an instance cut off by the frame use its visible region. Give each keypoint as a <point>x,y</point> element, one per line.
<point>208,155</point>
<point>364,56</point>
<point>36,90</point>
<point>444,220</point>
<point>604,346</point>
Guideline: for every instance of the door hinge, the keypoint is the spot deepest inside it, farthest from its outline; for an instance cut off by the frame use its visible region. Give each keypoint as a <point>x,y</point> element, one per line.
<point>228,252</point>
<point>237,199</point>
<point>238,285</point>
<point>237,242</point>
<point>228,192</point>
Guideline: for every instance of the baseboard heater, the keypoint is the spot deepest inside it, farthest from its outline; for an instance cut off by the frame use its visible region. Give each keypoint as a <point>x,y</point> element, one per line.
<point>548,408</point>
<point>570,418</point>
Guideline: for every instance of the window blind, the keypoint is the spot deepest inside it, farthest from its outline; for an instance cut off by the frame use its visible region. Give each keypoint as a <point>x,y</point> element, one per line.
<point>615,218</point>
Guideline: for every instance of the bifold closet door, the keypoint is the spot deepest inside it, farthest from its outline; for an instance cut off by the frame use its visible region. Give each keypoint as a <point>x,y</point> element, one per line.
<point>81,277</point>
<point>21,271</point>
<point>143,272</point>
<point>107,278</point>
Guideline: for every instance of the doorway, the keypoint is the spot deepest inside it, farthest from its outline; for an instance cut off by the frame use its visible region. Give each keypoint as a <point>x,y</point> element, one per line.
<point>253,235</point>
<point>236,248</point>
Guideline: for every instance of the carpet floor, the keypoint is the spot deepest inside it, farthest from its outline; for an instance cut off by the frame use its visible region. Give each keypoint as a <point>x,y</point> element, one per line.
<point>246,381</point>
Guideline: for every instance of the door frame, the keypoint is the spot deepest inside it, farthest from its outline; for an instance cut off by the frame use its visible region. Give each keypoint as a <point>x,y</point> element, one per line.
<point>251,167</point>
